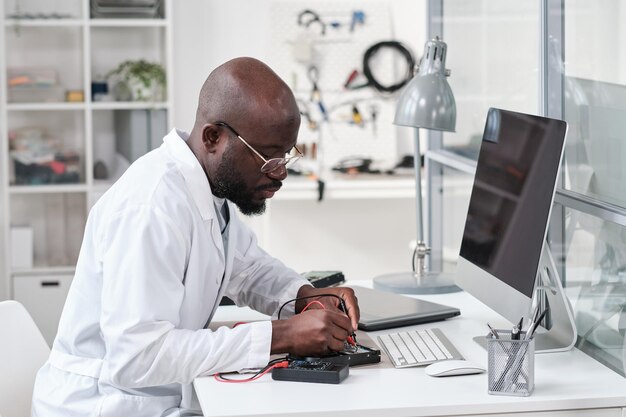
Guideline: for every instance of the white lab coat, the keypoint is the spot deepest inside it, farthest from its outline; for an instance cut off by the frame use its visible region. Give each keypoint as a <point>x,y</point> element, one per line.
<point>151,271</point>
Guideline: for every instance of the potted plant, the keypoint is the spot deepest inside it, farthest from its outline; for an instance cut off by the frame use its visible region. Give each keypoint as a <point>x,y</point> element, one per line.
<point>138,80</point>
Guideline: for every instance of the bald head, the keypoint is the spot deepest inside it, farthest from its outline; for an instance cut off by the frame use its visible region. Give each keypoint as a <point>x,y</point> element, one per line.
<point>244,96</point>
<point>248,91</point>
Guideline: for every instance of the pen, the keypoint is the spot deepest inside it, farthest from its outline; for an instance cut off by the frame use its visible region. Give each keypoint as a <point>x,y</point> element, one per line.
<point>515,333</point>
<point>512,353</point>
<point>533,326</point>
<point>533,318</point>
<point>514,367</point>
<point>493,332</point>
<point>535,314</point>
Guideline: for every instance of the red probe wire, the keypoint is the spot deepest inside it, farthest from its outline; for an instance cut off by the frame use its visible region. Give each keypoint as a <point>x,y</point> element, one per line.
<point>282,364</point>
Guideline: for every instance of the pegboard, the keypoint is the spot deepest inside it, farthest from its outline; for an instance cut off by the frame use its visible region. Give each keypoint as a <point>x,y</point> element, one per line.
<point>336,53</point>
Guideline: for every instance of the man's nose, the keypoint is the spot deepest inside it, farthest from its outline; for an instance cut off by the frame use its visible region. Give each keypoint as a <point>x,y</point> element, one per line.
<point>279,173</point>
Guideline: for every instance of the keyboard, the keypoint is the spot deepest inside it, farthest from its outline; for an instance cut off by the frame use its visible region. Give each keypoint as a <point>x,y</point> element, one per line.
<point>418,347</point>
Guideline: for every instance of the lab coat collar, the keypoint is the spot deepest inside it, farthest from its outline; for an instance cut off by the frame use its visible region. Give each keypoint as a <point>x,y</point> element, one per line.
<point>190,167</point>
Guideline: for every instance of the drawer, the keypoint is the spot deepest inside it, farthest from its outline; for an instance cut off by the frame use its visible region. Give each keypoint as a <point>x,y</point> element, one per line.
<point>43,296</point>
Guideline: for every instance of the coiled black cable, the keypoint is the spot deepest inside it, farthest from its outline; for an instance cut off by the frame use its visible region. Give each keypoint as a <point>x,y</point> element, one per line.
<point>373,50</point>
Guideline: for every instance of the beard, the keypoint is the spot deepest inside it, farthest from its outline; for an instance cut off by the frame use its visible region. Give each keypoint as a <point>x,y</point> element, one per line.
<point>228,184</point>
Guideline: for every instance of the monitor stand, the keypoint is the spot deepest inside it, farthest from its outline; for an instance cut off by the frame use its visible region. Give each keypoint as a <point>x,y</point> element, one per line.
<point>559,332</point>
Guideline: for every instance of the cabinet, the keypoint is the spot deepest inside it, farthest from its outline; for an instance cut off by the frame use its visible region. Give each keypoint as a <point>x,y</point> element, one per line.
<point>61,146</point>
<point>43,296</point>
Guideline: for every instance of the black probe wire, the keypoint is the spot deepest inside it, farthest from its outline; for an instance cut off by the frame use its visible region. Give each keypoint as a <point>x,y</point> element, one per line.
<point>341,302</point>
<point>373,50</point>
<point>342,306</point>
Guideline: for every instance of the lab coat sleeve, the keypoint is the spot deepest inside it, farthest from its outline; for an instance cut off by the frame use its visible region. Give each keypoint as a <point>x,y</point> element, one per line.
<point>144,254</point>
<point>261,281</point>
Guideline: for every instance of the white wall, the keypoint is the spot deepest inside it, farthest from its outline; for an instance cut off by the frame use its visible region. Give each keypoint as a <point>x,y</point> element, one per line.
<point>362,237</point>
<point>208,33</point>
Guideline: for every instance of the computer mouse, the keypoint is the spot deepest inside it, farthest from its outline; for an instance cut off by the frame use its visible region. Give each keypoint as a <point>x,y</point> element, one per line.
<point>453,367</point>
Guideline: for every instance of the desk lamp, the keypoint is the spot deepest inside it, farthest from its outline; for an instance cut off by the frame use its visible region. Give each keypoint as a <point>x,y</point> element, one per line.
<point>426,102</point>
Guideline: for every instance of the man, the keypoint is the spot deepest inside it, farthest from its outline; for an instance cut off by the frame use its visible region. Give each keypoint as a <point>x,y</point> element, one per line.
<point>163,246</point>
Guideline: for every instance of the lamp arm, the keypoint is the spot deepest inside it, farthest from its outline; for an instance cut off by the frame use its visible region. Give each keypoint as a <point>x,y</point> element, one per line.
<point>417,158</point>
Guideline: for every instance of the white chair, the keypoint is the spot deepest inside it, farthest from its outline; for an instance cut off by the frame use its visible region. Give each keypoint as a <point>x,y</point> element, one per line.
<point>23,350</point>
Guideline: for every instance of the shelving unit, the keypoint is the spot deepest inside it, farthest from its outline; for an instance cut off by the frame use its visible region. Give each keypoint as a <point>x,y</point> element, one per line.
<point>345,187</point>
<point>78,49</point>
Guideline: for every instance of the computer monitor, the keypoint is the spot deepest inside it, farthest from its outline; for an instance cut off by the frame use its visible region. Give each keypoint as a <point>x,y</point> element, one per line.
<point>509,209</point>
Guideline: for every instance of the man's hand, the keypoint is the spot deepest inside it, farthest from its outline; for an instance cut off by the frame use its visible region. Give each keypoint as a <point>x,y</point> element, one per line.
<point>317,331</point>
<point>331,303</point>
<point>314,332</point>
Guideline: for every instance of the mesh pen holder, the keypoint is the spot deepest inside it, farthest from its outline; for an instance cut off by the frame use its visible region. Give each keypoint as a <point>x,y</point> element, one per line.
<point>511,364</point>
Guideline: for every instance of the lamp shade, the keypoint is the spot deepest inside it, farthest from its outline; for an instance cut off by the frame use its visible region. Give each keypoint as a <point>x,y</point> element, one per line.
<point>427,100</point>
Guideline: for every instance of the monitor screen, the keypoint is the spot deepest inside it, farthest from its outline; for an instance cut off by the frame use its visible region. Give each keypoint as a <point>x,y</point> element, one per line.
<point>510,205</point>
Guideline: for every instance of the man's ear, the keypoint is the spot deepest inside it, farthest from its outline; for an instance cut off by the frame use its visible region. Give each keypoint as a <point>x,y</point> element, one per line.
<point>211,137</point>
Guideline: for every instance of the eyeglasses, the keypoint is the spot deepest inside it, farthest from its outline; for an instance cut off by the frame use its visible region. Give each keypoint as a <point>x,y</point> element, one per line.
<point>273,164</point>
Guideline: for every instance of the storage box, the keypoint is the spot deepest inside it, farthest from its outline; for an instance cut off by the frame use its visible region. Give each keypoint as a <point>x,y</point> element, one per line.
<point>33,85</point>
<point>26,94</point>
<point>21,247</point>
<point>137,132</point>
<point>126,9</point>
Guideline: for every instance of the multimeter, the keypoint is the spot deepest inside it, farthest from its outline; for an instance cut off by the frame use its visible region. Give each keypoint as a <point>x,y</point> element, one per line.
<point>312,371</point>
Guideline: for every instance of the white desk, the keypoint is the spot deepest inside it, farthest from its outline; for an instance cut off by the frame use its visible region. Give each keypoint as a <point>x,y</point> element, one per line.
<point>566,384</point>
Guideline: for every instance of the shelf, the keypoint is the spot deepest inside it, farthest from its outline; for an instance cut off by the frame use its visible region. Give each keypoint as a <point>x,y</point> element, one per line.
<point>44,270</point>
<point>128,105</point>
<point>47,189</point>
<point>79,22</point>
<point>343,187</point>
<point>128,22</point>
<point>45,106</point>
<point>452,160</point>
<point>43,22</point>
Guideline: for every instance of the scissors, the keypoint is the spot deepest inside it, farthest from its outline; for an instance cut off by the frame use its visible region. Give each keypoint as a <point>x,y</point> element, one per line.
<point>308,16</point>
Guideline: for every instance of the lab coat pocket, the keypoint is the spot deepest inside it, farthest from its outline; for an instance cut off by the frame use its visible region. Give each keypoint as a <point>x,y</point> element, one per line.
<point>116,405</point>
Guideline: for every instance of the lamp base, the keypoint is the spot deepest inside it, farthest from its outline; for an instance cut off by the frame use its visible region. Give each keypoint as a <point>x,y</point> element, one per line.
<point>409,283</point>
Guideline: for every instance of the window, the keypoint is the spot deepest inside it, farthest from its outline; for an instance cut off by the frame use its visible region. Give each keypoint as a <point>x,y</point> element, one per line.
<point>560,59</point>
